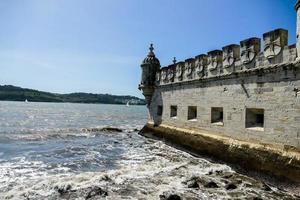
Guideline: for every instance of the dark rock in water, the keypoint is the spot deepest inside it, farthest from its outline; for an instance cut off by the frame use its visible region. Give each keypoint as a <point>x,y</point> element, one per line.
<point>265,187</point>
<point>96,191</point>
<point>195,181</point>
<point>63,190</point>
<point>231,186</point>
<point>193,184</point>
<point>257,198</point>
<point>211,184</point>
<point>169,197</point>
<point>105,129</point>
<point>227,176</point>
<point>218,172</point>
<point>210,173</point>
<point>112,129</point>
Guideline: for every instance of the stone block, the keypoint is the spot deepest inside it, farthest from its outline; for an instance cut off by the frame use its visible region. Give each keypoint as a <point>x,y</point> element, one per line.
<point>189,68</point>
<point>171,73</point>
<point>250,48</point>
<point>231,54</point>
<point>215,62</point>
<point>274,42</point>
<point>201,66</point>
<point>179,71</point>
<point>164,75</point>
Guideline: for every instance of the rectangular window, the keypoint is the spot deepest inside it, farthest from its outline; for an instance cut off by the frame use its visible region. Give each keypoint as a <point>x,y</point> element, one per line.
<point>217,115</point>
<point>255,118</point>
<point>173,112</point>
<point>192,113</point>
<point>159,110</point>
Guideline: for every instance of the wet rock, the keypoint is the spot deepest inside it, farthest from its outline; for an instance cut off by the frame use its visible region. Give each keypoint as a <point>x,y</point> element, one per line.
<point>193,184</point>
<point>227,176</point>
<point>106,178</point>
<point>195,181</point>
<point>231,186</point>
<point>169,197</point>
<point>211,184</point>
<point>210,173</point>
<point>265,187</point>
<point>62,190</point>
<point>257,198</point>
<point>219,172</point>
<point>105,129</point>
<point>112,129</point>
<point>96,191</point>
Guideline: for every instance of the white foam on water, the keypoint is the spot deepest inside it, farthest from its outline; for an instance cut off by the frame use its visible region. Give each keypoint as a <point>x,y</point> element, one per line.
<point>145,172</point>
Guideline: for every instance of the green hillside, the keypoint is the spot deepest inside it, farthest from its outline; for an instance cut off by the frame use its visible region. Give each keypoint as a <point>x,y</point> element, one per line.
<point>13,93</point>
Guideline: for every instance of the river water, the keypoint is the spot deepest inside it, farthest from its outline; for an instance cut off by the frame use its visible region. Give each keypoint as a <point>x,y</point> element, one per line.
<point>70,151</point>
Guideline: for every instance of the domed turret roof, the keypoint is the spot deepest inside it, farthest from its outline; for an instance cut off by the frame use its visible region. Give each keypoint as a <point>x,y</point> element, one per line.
<point>151,59</point>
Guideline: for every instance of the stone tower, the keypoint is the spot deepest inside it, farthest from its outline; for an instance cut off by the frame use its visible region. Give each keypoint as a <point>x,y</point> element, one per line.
<point>297,7</point>
<point>150,66</point>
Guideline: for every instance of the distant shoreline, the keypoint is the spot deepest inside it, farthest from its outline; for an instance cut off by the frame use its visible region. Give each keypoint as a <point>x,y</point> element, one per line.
<point>72,102</point>
<point>14,93</point>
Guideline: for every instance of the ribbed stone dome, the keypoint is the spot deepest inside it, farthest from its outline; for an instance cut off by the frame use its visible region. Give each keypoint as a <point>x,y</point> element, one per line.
<point>151,59</point>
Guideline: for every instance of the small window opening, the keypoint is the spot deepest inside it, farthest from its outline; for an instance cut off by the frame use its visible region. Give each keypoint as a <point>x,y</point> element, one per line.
<point>192,113</point>
<point>255,118</point>
<point>217,115</point>
<point>159,110</point>
<point>173,111</point>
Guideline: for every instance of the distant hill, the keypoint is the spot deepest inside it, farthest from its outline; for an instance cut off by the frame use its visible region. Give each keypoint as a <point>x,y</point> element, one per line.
<point>13,93</point>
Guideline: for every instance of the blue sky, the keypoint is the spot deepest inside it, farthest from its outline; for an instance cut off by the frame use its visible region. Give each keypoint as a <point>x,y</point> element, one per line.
<point>97,45</point>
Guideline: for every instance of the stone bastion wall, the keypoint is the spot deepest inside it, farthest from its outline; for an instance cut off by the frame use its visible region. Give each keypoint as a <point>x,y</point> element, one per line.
<point>239,92</point>
<point>240,104</point>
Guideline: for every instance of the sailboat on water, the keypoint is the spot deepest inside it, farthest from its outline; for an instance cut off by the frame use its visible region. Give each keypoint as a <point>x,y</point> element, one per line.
<point>127,104</point>
<point>26,101</point>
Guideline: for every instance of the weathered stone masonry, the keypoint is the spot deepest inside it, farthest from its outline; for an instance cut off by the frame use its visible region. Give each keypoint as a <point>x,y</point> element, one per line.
<point>240,92</point>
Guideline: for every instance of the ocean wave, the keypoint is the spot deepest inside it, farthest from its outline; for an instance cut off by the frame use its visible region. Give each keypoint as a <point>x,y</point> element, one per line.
<point>37,135</point>
<point>153,171</point>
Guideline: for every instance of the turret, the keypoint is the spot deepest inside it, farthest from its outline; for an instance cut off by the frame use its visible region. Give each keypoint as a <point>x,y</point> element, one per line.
<point>150,66</point>
<point>297,7</point>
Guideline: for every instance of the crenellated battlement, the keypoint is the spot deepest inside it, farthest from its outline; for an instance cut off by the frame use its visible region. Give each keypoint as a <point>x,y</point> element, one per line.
<point>232,59</point>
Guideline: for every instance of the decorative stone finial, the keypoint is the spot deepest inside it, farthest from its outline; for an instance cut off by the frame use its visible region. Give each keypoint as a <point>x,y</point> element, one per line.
<point>151,48</point>
<point>151,57</point>
<point>174,60</point>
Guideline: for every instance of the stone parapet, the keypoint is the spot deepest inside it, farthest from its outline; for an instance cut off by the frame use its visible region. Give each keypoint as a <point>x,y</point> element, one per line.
<point>233,59</point>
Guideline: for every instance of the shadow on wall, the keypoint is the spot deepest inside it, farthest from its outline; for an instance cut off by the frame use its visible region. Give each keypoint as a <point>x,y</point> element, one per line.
<point>157,109</point>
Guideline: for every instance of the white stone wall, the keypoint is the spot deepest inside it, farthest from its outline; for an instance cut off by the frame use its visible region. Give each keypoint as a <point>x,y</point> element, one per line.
<point>276,92</point>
